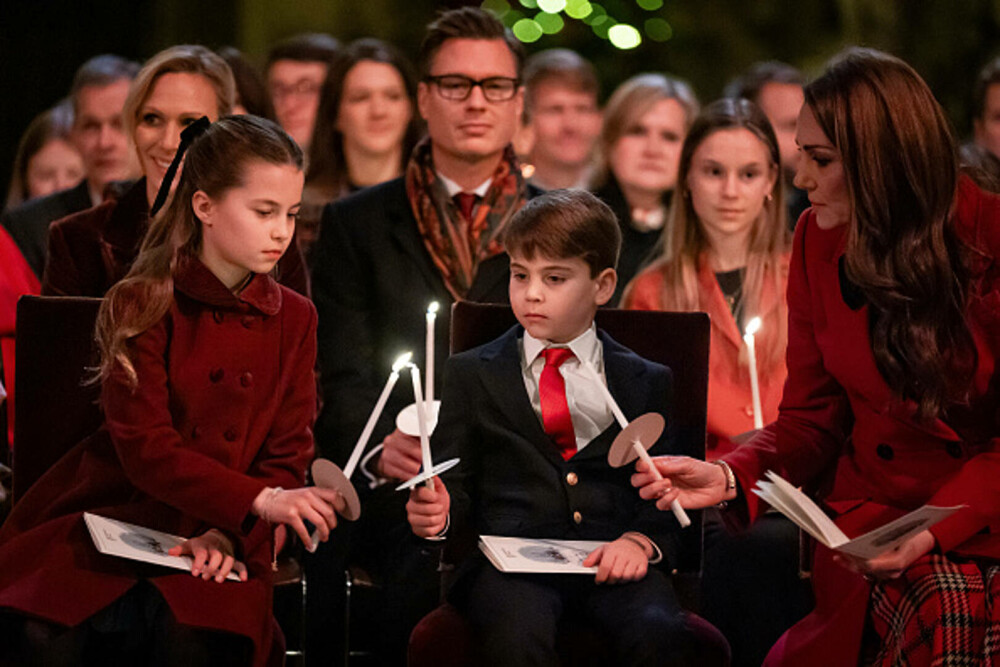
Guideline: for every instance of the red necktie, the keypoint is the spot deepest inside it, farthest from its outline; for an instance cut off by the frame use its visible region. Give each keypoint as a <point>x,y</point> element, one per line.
<point>552,394</point>
<point>466,202</point>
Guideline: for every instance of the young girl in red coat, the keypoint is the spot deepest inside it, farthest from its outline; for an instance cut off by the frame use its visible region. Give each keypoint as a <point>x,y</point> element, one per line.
<point>209,399</point>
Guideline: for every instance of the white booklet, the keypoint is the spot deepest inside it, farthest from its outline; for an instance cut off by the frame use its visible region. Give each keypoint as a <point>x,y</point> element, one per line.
<point>537,556</point>
<point>797,506</point>
<point>126,540</point>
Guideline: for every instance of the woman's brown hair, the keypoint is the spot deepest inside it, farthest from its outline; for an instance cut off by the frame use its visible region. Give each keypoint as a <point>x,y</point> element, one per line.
<point>684,241</point>
<point>901,169</point>
<point>215,162</point>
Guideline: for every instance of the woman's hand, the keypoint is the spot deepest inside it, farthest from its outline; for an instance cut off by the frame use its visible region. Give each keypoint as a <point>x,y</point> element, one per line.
<point>212,555</point>
<point>695,483</point>
<point>891,564</point>
<point>618,562</point>
<point>401,457</point>
<point>295,506</point>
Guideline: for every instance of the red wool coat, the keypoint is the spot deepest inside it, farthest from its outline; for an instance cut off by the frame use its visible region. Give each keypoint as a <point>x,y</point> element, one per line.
<point>730,405</point>
<point>224,408</point>
<point>892,463</point>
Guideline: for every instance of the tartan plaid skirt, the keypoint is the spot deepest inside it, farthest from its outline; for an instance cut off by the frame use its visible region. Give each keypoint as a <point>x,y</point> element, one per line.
<point>938,613</point>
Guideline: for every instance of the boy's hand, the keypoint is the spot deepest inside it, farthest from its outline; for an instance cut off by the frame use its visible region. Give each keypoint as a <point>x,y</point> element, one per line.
<point>618,562</point>
<point>427,511</point>
<point>211,555</point>
<point>400,457</point>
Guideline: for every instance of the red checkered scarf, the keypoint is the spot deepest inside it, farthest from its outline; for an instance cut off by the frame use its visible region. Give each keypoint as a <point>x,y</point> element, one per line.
<point>457,245</point>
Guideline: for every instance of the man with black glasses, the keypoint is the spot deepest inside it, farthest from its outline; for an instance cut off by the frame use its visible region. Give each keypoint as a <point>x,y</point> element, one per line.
<point>387,252</point>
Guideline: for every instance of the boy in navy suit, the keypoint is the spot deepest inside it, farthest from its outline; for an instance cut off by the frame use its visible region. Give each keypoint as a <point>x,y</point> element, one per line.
<point>533,433</point>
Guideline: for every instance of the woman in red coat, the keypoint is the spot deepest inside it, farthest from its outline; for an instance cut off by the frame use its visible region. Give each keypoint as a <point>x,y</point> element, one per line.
<point>209,400</point>
<point>891,398</point>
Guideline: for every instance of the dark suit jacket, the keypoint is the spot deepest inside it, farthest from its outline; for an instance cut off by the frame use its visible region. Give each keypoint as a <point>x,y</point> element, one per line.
<point>372,281</point>
<point>92,250</point>
<point>28,223</point>
<point>511,480</point>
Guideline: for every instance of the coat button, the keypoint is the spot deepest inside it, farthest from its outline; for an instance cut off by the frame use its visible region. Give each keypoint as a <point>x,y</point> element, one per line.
<point>885,452</point>
<point>749,410</point>
<point>954,450</point>
<point>577,517</point>
<point>246,379</point>
<point>217,316</point>
<point>247,321</point>
<point>572,479</point>
<point>216,374</point>
<point>230,435</point>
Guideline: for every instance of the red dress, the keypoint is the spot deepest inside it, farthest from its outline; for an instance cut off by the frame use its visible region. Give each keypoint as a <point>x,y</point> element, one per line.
<point>892,463</point>
<point>16,279</point>
<point>224,407</point>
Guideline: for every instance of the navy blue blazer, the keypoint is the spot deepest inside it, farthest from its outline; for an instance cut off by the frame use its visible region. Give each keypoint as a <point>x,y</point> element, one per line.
<point>512,481</point>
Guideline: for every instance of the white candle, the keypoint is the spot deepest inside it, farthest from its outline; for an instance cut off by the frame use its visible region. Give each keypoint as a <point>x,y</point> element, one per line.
<point>753,326</point>
<point>432,310</point>
<point>425,441</point>
<point>366,433</point>
<point>675,506</point>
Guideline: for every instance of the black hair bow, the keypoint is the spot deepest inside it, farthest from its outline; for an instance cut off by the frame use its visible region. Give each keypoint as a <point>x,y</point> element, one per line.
<point>188,135</point>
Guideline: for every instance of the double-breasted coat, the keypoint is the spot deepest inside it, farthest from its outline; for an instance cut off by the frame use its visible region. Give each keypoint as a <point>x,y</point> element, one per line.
<point>224,407</point>
<point>839,422</point>
<point>730,404</point>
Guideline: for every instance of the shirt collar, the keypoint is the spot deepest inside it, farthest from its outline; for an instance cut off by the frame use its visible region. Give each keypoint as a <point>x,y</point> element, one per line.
<point>454,188</point>
<point>585,346</point>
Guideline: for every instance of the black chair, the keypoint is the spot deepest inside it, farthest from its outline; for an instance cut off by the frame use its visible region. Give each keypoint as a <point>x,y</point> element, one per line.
<point>677,340</point>
<point>56,408</point>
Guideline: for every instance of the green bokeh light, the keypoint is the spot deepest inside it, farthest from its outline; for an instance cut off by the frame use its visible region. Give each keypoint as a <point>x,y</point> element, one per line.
<point>550,23</point>
<point>552,6</point>
<point>498,7</point>
<point>596,14</point>
<point>649,5</point>
<point>578,9</point>
<point>658,30</point>
<point>602,26</point>
<point>624,36</point>
<point>527,30</point>
<point>530,4</point>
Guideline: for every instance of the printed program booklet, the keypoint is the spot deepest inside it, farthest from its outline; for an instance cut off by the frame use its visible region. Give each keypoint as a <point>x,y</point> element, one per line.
<point>537,556</point>
<point>126,540</point>
<point>797,506</point>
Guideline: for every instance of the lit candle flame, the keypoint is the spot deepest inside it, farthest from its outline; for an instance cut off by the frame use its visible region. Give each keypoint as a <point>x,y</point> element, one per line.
<point>433,308</point>
<point>402,361</point>
<point>753,326</point>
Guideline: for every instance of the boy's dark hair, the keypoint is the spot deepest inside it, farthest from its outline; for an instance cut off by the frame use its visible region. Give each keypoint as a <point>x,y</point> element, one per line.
<point>564,224</point>
<point>307,48</point>
<point>749,84</point>
<point>465,23</point>
<point>989,75</point>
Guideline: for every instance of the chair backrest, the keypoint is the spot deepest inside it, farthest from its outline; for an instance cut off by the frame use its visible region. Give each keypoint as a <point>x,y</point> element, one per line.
<point>677,340</point>
<point>55,409</point>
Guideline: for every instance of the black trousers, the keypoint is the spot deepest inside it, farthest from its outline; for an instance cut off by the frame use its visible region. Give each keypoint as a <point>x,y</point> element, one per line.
<point>516,616</point>
<point>137,629</point>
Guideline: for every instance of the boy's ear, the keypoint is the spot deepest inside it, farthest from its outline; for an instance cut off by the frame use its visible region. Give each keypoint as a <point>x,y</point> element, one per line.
<point>606,282</point>
<point>203,207</point>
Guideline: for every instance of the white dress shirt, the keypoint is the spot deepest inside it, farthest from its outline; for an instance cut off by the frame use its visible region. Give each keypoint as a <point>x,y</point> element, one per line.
<point>589,411</point>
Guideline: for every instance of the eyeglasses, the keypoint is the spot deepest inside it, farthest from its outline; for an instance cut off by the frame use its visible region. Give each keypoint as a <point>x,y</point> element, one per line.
<point>457,87</point>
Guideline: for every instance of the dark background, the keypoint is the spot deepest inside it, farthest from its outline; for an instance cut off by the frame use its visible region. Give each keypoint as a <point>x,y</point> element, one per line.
<point>947,41</point>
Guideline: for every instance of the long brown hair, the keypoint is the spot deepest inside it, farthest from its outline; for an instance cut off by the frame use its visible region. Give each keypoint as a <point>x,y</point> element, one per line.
<point>215,163</point>
<point>901,169</point>
<point>684,241</point>
<point>327,172</point>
